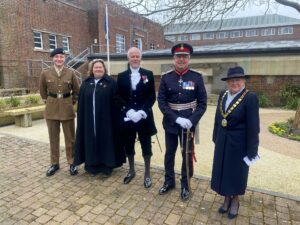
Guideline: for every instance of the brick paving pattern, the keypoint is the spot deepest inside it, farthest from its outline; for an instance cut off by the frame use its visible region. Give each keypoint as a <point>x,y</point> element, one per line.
<point>27,196</point>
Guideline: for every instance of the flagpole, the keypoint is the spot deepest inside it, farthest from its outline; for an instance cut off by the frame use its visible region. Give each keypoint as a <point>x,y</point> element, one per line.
<point>107,39</point>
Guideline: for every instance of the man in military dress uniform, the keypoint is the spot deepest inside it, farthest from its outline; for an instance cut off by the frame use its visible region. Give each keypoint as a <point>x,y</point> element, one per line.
<point>136,93</point>
<point>182,99</point>
<point>59,90</point>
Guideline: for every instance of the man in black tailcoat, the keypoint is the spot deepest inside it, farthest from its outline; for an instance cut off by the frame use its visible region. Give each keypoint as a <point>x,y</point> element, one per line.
<point>136,93</point>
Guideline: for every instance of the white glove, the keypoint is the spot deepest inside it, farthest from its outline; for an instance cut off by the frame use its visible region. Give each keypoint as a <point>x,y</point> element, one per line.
<point>136,117</point>
<point>142,112</point>
<point>184,123</point>
<point>129,113</point>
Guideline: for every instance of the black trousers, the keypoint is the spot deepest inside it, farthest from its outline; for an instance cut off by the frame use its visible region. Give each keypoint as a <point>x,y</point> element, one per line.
<point>145,140</point>
<point>171,147</point>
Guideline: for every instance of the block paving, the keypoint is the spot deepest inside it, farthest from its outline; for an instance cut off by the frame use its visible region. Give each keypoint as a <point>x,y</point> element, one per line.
<point>27,196</point>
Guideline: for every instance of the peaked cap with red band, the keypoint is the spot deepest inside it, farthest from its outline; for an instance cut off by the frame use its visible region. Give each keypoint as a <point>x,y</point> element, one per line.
<point>182,48</point>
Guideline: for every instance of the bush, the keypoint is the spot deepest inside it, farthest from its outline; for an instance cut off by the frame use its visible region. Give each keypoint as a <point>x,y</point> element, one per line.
<point>2,103</point>
<point>32,100</point>
<point>263,100</point>
<point>290,95</point>
<point>13,101</point>
<point>284,129</point>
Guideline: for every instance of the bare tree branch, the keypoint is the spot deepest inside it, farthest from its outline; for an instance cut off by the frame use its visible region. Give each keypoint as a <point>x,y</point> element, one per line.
<point>292,4</point>
<point>192,11</point>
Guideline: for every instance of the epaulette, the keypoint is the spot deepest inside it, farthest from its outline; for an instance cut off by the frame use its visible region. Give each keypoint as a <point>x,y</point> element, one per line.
<point>195,71</point>
<point>164,73</point>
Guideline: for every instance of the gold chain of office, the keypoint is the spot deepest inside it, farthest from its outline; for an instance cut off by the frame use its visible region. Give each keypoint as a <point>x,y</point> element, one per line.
<point>224,121</point>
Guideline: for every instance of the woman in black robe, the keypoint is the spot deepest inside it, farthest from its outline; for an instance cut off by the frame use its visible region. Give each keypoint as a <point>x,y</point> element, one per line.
<point>235,135</point>
<point>97,138</point>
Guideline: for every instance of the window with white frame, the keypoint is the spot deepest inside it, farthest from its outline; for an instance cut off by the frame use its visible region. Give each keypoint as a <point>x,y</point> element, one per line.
<point>120,43</point>
<point>208,36</point>
<point>285,30</point>
<point>195,37</point>
<point>38,40</point>
<point>182,38</point>
<point>52,41</point>
<point>251,33</point>
<point>236,34</point>
<point>268,32</point>
<point>66,45</point>
<point>139,43</point>
<point>171,38</point>
<point>152,46</point>
<point>222,35</point>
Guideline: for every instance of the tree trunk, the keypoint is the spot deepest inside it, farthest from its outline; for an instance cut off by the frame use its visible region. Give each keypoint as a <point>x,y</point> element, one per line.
<point>297,117</point>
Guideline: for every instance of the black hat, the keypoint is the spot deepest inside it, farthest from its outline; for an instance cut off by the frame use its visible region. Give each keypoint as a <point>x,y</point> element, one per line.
<point>182,48</point>
<point>235,72</point>
<point>57,51</point>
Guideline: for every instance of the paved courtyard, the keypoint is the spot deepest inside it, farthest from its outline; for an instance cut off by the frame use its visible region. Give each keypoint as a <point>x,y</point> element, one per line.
<point>27,196</point>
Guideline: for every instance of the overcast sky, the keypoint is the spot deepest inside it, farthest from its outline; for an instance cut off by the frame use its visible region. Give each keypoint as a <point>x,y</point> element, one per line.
<point>260,10</point>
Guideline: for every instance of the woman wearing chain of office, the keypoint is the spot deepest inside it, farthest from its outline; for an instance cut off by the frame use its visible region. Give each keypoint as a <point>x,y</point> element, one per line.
<point>235,135</point>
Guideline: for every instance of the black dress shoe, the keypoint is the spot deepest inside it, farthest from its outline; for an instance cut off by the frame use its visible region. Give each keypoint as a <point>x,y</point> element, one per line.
<point>164,189</point>
<point>52,169</point>
<point>185,194</point>
<point>223,209</point>
<point>233,215</point>
<point>147,182</point>
<point>128,178</point>
<point>73,170</point>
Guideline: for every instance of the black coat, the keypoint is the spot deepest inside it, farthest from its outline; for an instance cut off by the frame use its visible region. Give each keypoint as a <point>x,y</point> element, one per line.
<point>171,92</point>
<point>233,143</point>
<point>102,149</point>
<point>142,99</point>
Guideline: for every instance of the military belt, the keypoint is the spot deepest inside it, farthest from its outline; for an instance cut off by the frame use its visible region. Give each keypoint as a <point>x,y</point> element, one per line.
<point>184,106</point>
<point>59,95</point>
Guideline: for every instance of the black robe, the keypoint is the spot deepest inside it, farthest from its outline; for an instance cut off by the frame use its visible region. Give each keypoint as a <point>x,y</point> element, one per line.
<point>99,146</point>
<point>233,143</point>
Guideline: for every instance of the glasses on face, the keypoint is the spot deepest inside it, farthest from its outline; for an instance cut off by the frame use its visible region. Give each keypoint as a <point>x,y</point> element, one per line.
<point>183,56</point>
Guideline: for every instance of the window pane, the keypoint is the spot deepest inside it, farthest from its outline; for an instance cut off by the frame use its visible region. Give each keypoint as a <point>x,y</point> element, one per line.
<point>52,41</point>
<point>120,43</point>
<point>66,46</point>
<point>37,39</point>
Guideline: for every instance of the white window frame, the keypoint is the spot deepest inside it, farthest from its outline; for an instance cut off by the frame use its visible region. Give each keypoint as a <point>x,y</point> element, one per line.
<point>208,36</point>
<point>152,46</point>
<point>37,39</point>
<point>251,33</point>
<point>195,37</point>
<point>52,46</point>
<point>120,43</point>
<point>268,32</point>
<point>285,30</point>
<point>139,43</point>
<point>183,37</point>
<point>66,43</point>
<point>236,34</point>
<point>171,38</point>
<point>222,35</point>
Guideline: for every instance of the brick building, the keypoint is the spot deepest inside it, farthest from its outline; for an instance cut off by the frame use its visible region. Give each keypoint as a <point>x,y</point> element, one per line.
<point>30,29</point>
<point>272,27</point>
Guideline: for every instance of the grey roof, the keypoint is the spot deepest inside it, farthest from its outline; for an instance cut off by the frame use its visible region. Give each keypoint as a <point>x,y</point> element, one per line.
<point>266,46</point>
<point>270,20</point>
<point>277,47</point>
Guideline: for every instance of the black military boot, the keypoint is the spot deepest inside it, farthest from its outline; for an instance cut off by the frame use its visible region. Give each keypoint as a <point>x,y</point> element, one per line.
<point>147,178</point>
<point>131,174</point>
